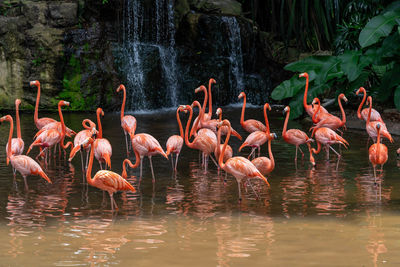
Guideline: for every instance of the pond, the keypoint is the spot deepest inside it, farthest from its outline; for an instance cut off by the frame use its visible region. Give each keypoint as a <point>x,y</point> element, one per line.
<point>309,216</point>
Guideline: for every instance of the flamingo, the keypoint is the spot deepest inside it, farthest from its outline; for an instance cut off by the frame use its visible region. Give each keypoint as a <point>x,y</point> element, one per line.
<point>17,144</point>
<point>202,109</point>
<point>24,164</point>
<point>295,136</point>
<point>89,131</point>
<point>144,144</point>
<point>371,125</point>
<point>102,147</point>
<point>40,123</point>
<point>258,138</point>
<point>128,122</point>
<point>52,137</point>
<point>175,142</point>
<point>363,115</point>
<point>240,167</point>
<point>205,141</point>
<point>250,125</point>
<point>104,179</point>
<point>224,129</point>
<point>263,164</point>
<point>327,137</point>
<point>378,153</point>
<point>328,120</point>
<point>309,108</point>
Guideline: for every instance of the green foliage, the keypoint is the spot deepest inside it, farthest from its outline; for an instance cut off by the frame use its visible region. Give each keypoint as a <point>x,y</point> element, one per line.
<point>5,6</point>
<point>376,64</point>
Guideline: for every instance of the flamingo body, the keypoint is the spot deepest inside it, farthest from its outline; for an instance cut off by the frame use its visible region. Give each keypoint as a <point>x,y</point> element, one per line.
<point>255,139</point>
<point>174,144</point>
<point>103,151</point>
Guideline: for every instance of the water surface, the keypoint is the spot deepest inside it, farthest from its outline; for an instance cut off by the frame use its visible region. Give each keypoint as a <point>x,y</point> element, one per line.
<point>326,215</point>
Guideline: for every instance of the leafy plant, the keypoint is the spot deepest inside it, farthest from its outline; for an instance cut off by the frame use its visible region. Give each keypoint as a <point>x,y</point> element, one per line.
<point>375,64</point>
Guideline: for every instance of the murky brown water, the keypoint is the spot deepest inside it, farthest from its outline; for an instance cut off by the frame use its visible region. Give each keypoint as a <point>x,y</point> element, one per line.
<point>321,216</point>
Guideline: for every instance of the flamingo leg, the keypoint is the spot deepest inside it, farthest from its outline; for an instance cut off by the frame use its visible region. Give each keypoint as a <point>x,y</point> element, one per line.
<point>295,158</point>
<point>374,172</point>
<point>302,153</point>
<point>215,162</point>
<point>83,167</point>
<point>101,167</point>
<point>26,183</point>
<point>252,152</point>
<point>259,150</point>
<point>252,188</point>
<point>172,161</point>
<point>176,161</point>
<point>87,159</point>
<point>112,201</point>
<point>141,166</point>
<point>152,171</point>
<point>126,144</point>
<point>240,191</point>
<point>334,151</point>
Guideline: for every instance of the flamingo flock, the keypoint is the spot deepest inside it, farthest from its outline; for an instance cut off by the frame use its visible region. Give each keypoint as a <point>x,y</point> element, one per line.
<point>207,133</point>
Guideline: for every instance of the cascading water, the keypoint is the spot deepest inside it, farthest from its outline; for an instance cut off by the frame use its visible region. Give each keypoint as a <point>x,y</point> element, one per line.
<point>236,57</point>
<point>149,45</point>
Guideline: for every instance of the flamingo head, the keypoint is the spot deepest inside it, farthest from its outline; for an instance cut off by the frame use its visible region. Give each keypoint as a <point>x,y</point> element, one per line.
<point>219,111</point>
<point>242,94</point>
<point>100,111</point>
<point>200,88</point>
<point>182,108</point>
<point>120,87</point>
<point>88,140</point>
<point>378,126</point>
<point>360,90</point>
<point>315,101</point>
<point>304,74</point>
<point>5,118</point>
<point>342,96</point>
<point>187,107</point>
<point>63,103</point>
<point>267,106</point>
<point>94,132</point>
<point>212,80</point>
<point>287,109</point>
<point>369,100</point>
<point>17,102</point>
<point>273,136</point>
<point>32,83</point>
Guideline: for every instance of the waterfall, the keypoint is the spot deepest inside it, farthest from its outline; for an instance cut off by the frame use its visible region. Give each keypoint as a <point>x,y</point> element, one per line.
<point>149,37</point>
<point>235,57</point>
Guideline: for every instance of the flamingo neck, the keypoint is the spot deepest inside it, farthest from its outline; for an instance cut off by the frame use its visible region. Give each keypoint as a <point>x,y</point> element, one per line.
<point>100,134</point>
<point>123,103</point>
<point>209,99</point>
<point>18,122</point>
<point>88,124</point>
<point>286,123</point>
<point>62,127</point>
<point>305,95</point>
<point>89,169</point>
<point>369,109</point>
<point>9,118</point>
<point>266,120</point>
<point>179,123</point>
<point>220,116</point>
<point>271,157</point>
<point>221,155</point>
<point>187,128</point>
<point>314,116</point>
<point>378,143</point>
<point>199,118</point>
<point>318,148</point>
<point>203,109</point>
<point>36,115</point>
<point>243,108</point>
<point>342,110</point>
<point>362,102</point>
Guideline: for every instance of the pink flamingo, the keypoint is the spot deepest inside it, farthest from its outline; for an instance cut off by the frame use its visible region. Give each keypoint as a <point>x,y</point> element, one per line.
<point>40,123</point>
<point>102,147</point>
<point>264,164</point>
<point>309,108</point>
<point>378,153</point>
<point>146,145</point>
<point>250,125</point>
<point>51,137</point>
<point>205,141</point>
<point>89,131</point>
<point>371,125</point>
<point>296,137</point>
<point>175,142</point>
<point>24,164</point>
<point>258,138</point>
<point>327,137</point>
<point>224,130</point>
<point>363,115</point>
<point>17,144</point>
<point>240,167</point>
<point>104,179</point>
<point>328,120</point>
<point>128,122</point>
